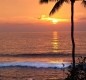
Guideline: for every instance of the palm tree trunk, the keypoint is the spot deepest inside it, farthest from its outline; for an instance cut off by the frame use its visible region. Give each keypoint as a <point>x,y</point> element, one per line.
<point>72,33</point>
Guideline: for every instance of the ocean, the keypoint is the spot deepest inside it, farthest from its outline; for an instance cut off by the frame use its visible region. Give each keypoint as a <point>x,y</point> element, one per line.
<point>38,55</point>
<point>39,49</point>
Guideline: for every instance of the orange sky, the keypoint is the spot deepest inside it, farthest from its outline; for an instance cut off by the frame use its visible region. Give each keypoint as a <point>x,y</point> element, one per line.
<point>30,11</point>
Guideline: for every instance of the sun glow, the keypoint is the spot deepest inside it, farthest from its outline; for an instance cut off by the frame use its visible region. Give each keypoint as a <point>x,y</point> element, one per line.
<point>55,21</point>
<point>52,20</point>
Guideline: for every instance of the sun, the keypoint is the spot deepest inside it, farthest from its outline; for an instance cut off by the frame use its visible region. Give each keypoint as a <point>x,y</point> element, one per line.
<point>54,21</point>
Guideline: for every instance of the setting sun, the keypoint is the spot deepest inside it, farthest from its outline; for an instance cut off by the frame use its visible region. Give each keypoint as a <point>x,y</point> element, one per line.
<point>51,19</point>
<point>54,21</point>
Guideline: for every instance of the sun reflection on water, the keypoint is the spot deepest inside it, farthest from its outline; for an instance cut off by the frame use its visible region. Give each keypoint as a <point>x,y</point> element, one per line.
<point>55,42</point>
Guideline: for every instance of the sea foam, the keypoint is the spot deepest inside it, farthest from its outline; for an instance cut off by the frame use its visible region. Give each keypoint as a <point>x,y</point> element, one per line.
<point>35,64</point>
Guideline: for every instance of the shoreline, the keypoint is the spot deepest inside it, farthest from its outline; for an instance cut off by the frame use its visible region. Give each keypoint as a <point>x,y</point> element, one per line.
<point>28,73</point>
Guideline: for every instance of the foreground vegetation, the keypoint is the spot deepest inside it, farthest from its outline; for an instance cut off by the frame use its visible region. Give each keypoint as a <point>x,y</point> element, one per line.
<point>79,73</point>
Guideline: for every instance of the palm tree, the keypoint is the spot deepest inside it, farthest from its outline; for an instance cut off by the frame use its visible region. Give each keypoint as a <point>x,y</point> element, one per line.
<point>56,7</point>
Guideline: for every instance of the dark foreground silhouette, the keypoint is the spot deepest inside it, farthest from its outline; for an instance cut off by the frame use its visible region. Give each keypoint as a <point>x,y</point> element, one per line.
<point>79,73</point>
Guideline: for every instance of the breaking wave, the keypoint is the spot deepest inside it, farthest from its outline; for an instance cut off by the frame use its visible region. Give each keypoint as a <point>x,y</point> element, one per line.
<point>35,64</point>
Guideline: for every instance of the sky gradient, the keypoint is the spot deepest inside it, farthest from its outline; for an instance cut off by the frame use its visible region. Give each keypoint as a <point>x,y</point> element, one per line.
<point>27,15</point>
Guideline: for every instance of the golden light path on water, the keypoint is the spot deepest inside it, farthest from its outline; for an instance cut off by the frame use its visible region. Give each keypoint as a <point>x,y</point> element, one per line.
<point>55,49</point>
<point>55,42</point>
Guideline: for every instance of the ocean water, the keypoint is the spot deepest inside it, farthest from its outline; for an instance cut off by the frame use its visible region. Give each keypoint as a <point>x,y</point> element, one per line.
<point>40,49</point>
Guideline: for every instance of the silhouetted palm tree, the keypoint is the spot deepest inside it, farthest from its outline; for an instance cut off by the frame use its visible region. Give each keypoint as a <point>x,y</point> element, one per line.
<point>57,5</point>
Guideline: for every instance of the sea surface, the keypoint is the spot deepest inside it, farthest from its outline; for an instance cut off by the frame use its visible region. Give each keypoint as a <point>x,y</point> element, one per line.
<point>40,49</point>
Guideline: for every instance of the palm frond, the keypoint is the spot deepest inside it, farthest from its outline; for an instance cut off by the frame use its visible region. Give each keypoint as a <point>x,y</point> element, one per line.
<point>43,1</point>
<point>67,1</point>
<point>57,6</point>
<point>46,1</point>
<point>84,3</point>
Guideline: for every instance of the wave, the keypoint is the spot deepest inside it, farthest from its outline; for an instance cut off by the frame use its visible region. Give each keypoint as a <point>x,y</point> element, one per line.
<point>51,54</point>
<point>35,64</point>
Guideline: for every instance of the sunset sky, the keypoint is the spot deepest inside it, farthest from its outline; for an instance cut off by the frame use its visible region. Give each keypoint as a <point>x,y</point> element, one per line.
<point>29,15</point>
